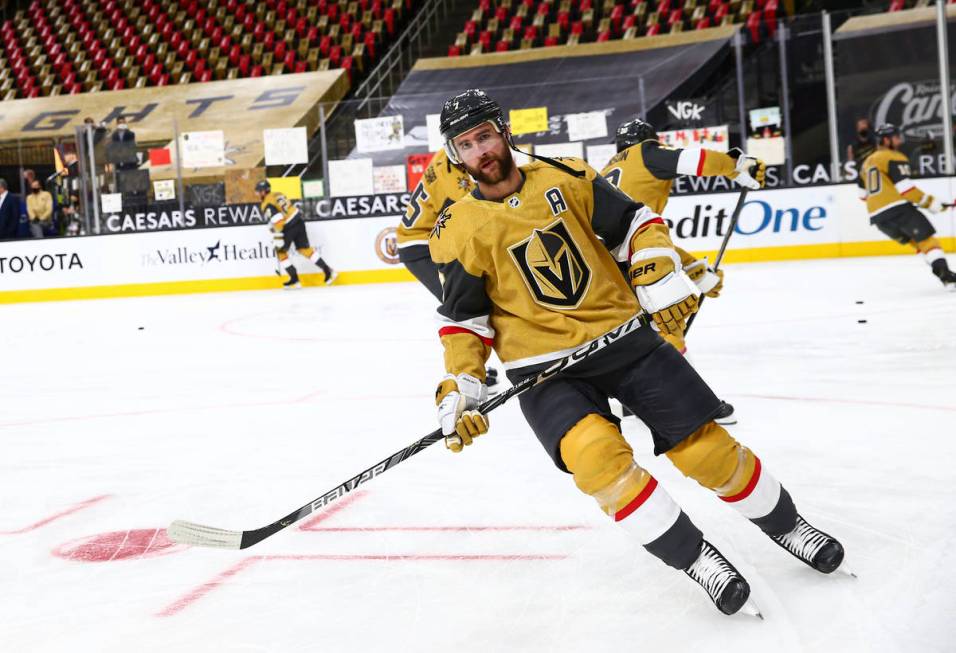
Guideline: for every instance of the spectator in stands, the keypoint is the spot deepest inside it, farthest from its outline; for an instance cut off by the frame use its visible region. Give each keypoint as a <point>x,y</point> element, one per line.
<point>123,134</point>
<point>9,212</point>
<point>864,145</point>
<point>71,219</point>
<point>99,131</point>
<point>39,209</point>
<point>28,176</point>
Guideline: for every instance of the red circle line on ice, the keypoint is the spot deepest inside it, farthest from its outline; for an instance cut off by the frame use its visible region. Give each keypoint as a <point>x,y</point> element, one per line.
<point>118,545</point>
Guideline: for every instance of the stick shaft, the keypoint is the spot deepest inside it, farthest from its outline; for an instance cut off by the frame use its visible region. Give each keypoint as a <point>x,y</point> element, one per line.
<point>723,248</point>
<point>196,534</point>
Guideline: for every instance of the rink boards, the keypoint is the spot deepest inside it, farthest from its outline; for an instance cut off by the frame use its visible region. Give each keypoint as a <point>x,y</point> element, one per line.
<point>812,222</point>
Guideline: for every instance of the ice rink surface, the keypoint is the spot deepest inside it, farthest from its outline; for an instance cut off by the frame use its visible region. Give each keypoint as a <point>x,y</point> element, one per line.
<point>233,409</point>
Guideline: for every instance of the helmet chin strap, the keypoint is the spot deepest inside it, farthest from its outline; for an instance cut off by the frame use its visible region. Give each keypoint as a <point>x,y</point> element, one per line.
<point>552,162</point>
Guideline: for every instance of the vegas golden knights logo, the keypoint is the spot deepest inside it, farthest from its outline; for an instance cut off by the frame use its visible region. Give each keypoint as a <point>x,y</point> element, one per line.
<point>552,266</point>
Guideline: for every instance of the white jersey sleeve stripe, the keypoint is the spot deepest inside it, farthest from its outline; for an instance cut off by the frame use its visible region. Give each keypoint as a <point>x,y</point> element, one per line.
<point>688,163</point>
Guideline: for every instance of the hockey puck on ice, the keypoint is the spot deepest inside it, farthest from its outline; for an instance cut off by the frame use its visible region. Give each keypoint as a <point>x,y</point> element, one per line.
<point>859,301</point>
<point>139,328</point>
<point>861,321</point>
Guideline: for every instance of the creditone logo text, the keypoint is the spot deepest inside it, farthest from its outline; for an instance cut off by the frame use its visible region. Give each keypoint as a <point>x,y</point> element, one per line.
<point>756,216</point>
<point>40,263</point>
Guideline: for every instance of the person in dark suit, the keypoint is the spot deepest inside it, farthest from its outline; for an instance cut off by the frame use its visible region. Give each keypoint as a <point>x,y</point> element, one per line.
<point>9,212</point>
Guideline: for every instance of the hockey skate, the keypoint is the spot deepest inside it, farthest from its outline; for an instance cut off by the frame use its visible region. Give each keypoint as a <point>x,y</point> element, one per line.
<point>726,416</point>
<point>944,274</point>
<point>330,277</point>
<point>293,282</point>
<point>813,547</point>
<point>729,591</point>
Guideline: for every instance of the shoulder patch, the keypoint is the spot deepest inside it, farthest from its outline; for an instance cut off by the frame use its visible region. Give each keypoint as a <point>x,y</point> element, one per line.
<point>430,174</point>
<point>440,224</point>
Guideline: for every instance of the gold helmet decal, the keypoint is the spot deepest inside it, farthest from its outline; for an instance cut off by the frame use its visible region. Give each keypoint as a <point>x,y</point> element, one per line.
<point>552,266</point>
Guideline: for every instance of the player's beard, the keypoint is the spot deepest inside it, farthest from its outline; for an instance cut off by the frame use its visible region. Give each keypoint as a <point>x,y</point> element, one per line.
<point>506,164</point>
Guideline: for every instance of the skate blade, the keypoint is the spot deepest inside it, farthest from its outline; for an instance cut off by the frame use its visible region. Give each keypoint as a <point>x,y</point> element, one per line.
<point>750,608</point>
<point>843,568</point>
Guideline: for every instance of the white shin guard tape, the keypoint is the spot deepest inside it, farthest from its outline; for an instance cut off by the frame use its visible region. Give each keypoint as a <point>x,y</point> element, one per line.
<point>650,514</point>
<point>933,255</point>
<point>760,496</point>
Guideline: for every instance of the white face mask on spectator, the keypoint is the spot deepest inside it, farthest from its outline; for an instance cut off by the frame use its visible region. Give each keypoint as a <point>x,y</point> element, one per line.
<point>122,126</point>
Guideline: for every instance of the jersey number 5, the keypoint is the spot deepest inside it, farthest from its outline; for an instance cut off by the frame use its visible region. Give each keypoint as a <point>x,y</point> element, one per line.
<point>415,205</point>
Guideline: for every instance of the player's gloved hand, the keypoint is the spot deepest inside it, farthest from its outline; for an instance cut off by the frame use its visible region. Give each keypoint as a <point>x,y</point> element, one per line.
<point>709,282</point>
<point>457,398</point>
<point>663,289</point>
<point>750,172</point>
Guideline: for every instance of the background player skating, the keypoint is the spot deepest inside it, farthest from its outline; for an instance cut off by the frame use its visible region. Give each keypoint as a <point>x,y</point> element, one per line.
<point>645,170</point>
<point>288,229</point>
<point>529,265</point>
<point>892,200</point>
<point>441,185</point>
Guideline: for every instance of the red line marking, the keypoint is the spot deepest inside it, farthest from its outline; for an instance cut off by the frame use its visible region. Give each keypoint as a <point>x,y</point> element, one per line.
<point>477,557</point>
<point>161,411</point>
<point>204,589</point>
<point>63,513</point>
<point>861,402</point>
<point>229,328</point>
<point>451,529</point>
<point>333,510</point>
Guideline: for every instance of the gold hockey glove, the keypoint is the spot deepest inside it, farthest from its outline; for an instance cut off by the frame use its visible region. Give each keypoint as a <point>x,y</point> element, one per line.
<point>663,289</point>
<point>457,398</point>
<point>709,282</point>
<point>750,172</point>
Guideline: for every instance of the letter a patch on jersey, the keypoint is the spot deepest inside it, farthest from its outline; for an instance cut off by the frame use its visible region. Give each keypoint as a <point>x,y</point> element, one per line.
<point>552,266</point>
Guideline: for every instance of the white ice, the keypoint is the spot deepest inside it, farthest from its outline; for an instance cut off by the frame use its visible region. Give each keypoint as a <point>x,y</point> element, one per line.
<point>233,409</point>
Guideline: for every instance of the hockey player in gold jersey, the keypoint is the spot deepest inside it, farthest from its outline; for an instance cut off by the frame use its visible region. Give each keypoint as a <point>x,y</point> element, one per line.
<point>645,170</point>
<point>529,267</point>
<point>893,200</point>
<point>441,185</point>
<point>288,229</point>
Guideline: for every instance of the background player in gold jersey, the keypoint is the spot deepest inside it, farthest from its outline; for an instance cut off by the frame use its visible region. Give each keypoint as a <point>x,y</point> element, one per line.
<point>892,200</point>
<point>529,267</point>
<point>288,229</point>
<point>441,185</point>
<point>645,170</point>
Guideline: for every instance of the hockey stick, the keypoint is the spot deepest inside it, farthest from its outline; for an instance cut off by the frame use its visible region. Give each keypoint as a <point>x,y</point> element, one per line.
<point>723,248</point>
<point>198,535</point>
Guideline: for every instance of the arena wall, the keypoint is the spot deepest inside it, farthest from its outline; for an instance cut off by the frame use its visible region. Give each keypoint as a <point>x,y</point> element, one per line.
<point>786,224</point>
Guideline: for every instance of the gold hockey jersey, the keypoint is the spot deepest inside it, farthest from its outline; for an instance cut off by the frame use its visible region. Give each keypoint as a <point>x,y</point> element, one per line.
<point>441,185</point>
<point>536,275</point>
<point>885,182</point>
<point>278,210</point>
<point>646,171</point>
